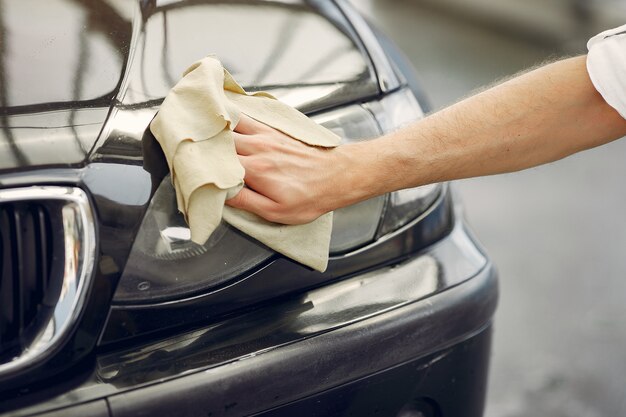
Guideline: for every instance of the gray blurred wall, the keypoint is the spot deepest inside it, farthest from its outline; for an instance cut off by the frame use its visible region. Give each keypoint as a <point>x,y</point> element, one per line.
<point>562,23</point>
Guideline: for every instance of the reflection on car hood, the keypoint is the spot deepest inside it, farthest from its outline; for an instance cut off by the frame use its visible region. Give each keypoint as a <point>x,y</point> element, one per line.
<point>77,63</point>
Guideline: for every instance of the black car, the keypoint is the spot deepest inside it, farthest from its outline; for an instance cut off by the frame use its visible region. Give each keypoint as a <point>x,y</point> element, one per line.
<point>106,306</point>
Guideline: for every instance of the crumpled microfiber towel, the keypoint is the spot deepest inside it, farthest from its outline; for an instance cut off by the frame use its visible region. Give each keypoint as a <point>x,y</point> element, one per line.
<point>194,127</point>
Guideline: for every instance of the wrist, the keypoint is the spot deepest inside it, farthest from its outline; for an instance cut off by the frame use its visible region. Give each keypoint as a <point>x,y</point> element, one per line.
<point>365,170</point>
<point>370,168</point>
<point>350,179</point>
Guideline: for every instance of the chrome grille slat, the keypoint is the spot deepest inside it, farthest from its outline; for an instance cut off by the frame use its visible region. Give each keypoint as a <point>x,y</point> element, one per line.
<point>19,286</point>
<point>43,251</point>
<point>27,265</point>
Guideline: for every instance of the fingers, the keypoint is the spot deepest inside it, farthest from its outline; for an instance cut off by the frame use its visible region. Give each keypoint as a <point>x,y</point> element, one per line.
<point>257,176</point>
<point>246,125</point>
<point>249,126</point>
<point>247,135</point>
<point>244,144</point>
<point>253,202</point>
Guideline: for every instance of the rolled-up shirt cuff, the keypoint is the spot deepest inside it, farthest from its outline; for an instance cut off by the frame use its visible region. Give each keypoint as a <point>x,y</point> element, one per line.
<point>606,65</point>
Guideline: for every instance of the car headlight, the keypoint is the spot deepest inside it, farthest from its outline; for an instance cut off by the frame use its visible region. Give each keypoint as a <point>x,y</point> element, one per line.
<point>165,264</point>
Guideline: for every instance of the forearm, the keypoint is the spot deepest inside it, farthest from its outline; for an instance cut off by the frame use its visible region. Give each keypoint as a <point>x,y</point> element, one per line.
<point>539,117</point>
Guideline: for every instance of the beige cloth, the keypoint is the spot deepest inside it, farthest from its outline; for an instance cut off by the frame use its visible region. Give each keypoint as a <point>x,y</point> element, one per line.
<point>194,127</point>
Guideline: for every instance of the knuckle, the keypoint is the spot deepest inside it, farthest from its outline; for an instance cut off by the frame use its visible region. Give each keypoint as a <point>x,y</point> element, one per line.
<point>261,145</point>
<point>264,164</point>
<point>272,215</point>
<point>256,165</point>
<point>239,200</point>
<point>276,214</point>
<point>266,144</point>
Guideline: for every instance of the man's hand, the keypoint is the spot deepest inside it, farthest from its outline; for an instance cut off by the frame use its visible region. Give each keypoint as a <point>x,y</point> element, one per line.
<point>539,117</point>
<point>286,180</point>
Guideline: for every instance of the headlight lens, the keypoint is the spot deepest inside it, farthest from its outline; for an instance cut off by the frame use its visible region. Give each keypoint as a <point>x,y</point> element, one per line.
<point>392,112</point>
<point>164,264</point>
<point>355,225</point>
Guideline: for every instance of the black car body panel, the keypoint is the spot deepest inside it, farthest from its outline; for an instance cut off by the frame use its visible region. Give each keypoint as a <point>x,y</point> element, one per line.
<point>59,80</point>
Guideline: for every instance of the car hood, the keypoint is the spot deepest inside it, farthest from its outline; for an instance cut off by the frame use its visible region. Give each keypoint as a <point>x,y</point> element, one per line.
<point>81,79</point>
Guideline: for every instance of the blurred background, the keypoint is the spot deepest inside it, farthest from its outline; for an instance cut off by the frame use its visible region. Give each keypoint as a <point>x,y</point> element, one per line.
<point>557,233</point>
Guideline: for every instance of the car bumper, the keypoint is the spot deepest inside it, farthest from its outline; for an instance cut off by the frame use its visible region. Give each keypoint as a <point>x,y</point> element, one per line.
<point>413,336</point>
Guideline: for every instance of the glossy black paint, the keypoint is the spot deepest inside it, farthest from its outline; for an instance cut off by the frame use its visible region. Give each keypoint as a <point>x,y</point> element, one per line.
<point>422,387</point>
<point>286,374</point>
<point>268,45</point>
<point>92,409</point>
<point>58,78</point>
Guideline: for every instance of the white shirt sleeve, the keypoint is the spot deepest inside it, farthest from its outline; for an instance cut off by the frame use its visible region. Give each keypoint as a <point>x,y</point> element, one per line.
<point>606,64</point>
